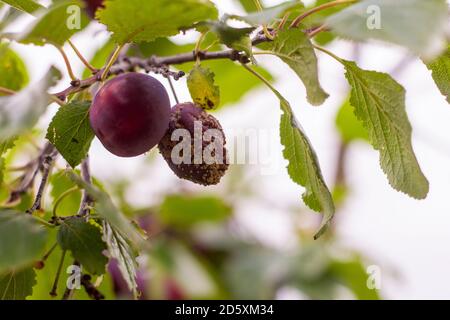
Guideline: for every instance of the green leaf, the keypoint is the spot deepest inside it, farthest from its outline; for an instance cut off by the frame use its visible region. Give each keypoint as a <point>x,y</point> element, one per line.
<point>303,167</point>
<point>267,15</point>
<point>295,49</point>
<point>348,125</point>
<point>379,102</point>
<point>28,6</point>
<point>70,131</point>
<point>440,69</point>
<point>137,20</point>
<point>54,25</point>
<point>184,211</point>
<point>85,242</point>
<point>416,24</point>
<point>17,285</point>
<point>21,111</point>
<point>13,70</point>
<point>121,250</point>
<point>202,88</point>
<point>22,240</point>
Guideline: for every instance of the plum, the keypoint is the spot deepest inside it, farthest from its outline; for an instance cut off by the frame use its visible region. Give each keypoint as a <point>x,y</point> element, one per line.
<point>92,6</point>
<point>130,114</point>
<point>184,116</point>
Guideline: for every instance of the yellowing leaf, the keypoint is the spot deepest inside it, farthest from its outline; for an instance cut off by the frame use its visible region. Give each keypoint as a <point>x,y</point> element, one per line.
<point>202,88</point>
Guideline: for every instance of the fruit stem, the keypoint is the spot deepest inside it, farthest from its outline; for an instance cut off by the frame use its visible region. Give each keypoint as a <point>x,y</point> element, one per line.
<point>266,31</point>
<point>260,76</point>
<point>328,53</point>
<point>324,6</point>
<point>173,90</point>
<point>317,30</point>
<point>111,61</point>
<point>198,44</point>
<point>67,62</point>
<point>82,58</point>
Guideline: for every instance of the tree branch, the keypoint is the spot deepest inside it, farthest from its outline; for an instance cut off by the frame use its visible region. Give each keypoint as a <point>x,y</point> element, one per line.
<point>158,65</point>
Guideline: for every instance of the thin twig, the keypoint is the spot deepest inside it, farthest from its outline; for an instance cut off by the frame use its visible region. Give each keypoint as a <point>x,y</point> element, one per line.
<point>53,292</point>
<point>111,62</point>
<point>324,6</point>
<point>67,62</point>
<point>46,167</point>
<point>126,64</point>
<point>7,91</point>
<point>173,90</point>
<point>82,58</point>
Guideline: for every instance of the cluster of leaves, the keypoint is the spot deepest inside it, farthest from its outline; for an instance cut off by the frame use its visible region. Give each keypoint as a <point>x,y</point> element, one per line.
<point>378,103</point>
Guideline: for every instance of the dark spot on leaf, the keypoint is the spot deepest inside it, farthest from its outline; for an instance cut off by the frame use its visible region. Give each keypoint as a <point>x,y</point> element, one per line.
<point>75,140</point>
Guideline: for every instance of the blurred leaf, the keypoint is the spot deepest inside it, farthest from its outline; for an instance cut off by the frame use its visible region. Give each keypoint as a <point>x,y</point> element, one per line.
<point>85,242</point>
<point>248,5</point>
<point>28,6</point>
<point>267,15</point>
<point>53,25</point>
<point>184,211</point>
<point>17,285</point>
<point>60,183</point>
<point>22,240</point>
<point>254,273</point>
<point>318,18</point>
<point>416,24</point>
<point>353,275</point>
<point>70,131</point>
<point>121,250</point>
<point>295,49</point>
<point>234,38</point>
<point>105,207</point>
<point>14,74</point>
<point>202,88</point>
<point>194,276</point>
<point>379,102</point>
<point>138,21</point>
<point>441,73</point>
<point>21,111</point>
<point>348,125</point>
<point>4,147</point>
<point>2,169</point>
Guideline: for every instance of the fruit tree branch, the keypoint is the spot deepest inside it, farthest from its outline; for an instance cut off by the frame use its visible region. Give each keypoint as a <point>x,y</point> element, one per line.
<point>157,64</point>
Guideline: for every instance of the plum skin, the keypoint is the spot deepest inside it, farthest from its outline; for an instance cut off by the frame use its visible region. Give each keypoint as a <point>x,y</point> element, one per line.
<point>183,116</point>
<point>92,6</point>
<point>130,114</point>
